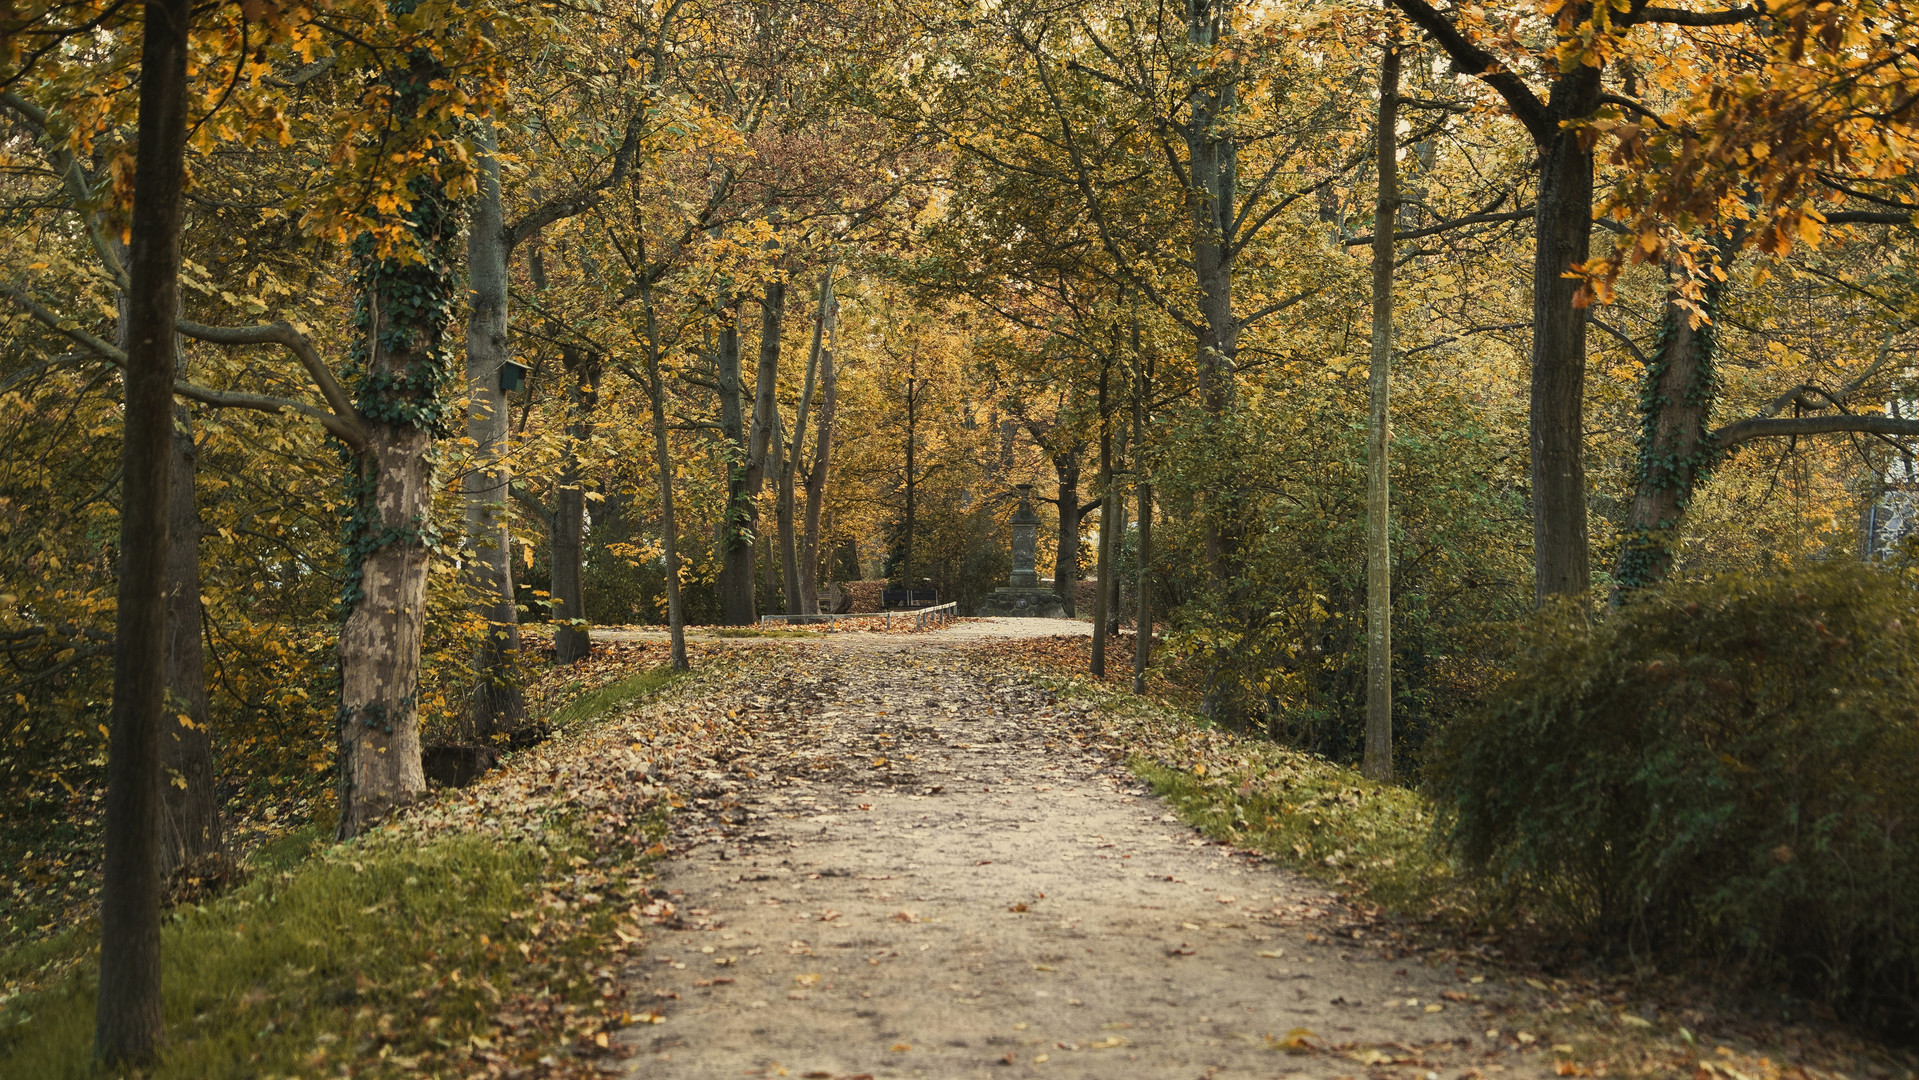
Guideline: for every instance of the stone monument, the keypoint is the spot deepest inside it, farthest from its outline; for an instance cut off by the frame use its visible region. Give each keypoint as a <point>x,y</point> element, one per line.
<point>1022,595</point>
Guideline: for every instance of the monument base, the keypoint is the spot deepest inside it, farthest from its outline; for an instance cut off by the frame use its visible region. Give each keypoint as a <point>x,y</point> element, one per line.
<point>1022,603</point>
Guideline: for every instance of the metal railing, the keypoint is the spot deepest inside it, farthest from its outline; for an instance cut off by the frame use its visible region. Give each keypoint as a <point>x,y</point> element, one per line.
<point>938,615</point>
<point>941,614</point>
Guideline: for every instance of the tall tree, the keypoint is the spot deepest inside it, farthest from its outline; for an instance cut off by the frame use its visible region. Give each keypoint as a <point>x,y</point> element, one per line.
<point>1585,36</point>
<point>1378,760</point>
<point>128,1025</point>
<point>499,705</point>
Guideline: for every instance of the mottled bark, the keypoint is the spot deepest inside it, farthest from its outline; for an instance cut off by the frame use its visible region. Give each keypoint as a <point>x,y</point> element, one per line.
<point>404,392</point>
<point>1377,761</point>
<point>498,704</point>
<point>380,638</point>
<point>128,1024</point>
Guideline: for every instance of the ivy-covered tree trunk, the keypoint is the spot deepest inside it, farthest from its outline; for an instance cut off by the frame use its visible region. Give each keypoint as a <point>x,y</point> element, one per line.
<point>498,704</point>
<point>1677,450</point>
<point>191,827</point>
<point>404,375</point>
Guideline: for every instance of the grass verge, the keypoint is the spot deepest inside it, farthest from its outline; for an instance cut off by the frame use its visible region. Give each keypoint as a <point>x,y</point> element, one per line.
<point>614,695</point>
<point>1580,1012</point>
<point>478,935</point>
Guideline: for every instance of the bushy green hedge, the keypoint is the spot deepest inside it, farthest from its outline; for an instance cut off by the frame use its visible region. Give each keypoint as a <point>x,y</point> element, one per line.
<point>1725,769</point>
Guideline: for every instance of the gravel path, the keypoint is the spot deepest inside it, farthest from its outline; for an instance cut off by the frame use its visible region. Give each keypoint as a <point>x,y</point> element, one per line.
<point>915,871</point>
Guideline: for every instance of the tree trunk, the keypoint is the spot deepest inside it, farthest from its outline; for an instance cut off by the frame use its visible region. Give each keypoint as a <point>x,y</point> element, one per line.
<point>912,444</point>
<point>572,639</point>
<point>740,523</point>
<point>1377,762</point>
<point>663,464</point>
<point>1103,565</point>
<point>1563,231</point>
<point>498,704</point>
<point>128,1024</point>
<point>405,309</point>
<point>1677,450</point>
<point>1214,161</point>
<point>783,526</point>
<point>822,456</point>
<point>1114,614</point>
<point>1143,633</point>
<point>191,827</point>
<point>798,600</point>
<point>1066,559</point>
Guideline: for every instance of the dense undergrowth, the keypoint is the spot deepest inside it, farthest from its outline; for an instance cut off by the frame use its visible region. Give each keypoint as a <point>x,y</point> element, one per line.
<point>1720,771</point>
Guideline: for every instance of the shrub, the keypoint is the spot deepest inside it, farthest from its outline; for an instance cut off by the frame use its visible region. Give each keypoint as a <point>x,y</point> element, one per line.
<point>1721,770</point>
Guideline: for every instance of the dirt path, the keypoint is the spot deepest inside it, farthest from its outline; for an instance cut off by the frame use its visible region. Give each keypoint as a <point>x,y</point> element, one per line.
<point>916,872</point>
<point>960,632</point>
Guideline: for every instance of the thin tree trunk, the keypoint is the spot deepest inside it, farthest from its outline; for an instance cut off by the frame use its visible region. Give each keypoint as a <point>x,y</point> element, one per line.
<point>191,827</point>
<point>498,704</point>
<point>912,444</point>
<point>822,456</point>
<point>783,526</point>
<point>1103,565</point>
<point>1114,605</point>
<point>1677,450</point>
<point>799,600</point>
<point>128,1025</point>
<point>1378,759</point>
<point>1143,639</point>
<point>572,639</point>
<point>663,463</point>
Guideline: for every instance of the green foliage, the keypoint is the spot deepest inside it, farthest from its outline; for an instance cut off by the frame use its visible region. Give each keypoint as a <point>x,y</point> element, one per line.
<point>1722,769</point>
<point>1280,647</point>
